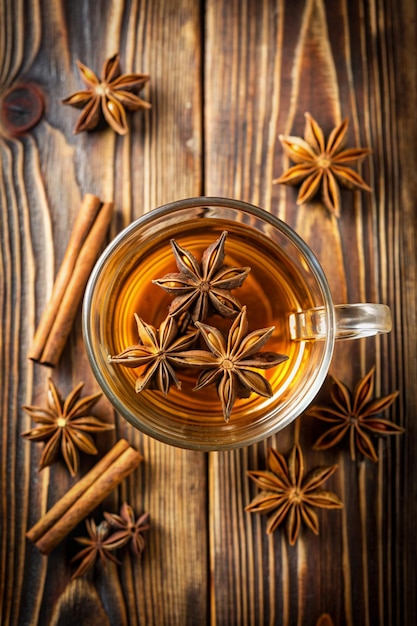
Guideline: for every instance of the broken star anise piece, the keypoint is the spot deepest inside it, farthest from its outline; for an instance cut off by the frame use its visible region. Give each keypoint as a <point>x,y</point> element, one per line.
<point>65,426</point>
<point>108,97</point>
<point>232,362</point>
<point>128,529</point>
<point>291,495</point>
<point>98,544</point>
<point>322,164</point>
<point>156,353</point>
<point>203,288</point>
<point>355,415</point>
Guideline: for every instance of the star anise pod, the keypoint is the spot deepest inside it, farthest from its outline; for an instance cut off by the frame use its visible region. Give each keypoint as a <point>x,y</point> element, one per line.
<point>203,288</point>
<point>156,353</point>
<point>291,495</point>
<point>232,362</point>
<point>65,426</point>
<point>99,544</point>
<point>128,529</point>
<point>108,97</point>
<point>355,415</point>
<point>322,164</point>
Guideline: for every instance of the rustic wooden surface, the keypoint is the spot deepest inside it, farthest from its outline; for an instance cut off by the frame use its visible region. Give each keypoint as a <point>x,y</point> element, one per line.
<point>227,76</point>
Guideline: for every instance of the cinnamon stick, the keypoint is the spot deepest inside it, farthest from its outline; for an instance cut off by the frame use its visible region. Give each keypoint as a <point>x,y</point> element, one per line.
<point>84,246</point>
<point>76,492</point>
<point>84,496</point>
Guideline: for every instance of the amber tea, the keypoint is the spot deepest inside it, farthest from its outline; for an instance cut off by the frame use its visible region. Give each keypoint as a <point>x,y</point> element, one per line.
<point>272,290</point>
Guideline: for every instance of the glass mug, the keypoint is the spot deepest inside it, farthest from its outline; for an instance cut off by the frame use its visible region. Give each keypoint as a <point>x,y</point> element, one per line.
<point>285,288</point>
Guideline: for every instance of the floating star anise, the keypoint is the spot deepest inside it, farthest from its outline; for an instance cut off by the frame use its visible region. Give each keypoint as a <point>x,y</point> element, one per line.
<point>128,529</point>
<point>232,362</point>
<point>156,353</point>
<point>355,414</point>
<point>322,164</point>
<point>99,544</point>
<point>108,97</point>
<point>65,425</point>
<point>291,495</point>
<point>202,288</point>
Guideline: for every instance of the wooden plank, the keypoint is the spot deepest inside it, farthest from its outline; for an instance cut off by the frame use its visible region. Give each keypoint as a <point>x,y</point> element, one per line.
<point>274,61</point>
<point>43,178</point>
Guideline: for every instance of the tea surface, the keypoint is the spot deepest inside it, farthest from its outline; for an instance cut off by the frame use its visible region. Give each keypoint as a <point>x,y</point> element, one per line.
<point>272,290</point>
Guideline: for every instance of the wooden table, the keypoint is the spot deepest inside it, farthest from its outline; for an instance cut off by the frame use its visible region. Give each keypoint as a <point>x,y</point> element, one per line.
<point>227,77</point>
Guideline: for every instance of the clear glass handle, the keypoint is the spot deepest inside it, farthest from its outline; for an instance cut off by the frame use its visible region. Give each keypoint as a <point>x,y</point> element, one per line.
<point>352,322</point>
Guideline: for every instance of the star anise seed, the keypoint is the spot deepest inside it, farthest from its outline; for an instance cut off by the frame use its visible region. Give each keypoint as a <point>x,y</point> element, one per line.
<point>232,362</point>
<point>156,353</point>
<point>128,529</point>
<point>65,425</point>
<point>355,415</point>
<point>324,620</point>
<point>290,494</point>
<point>108,97</point>
<point>322,164</point>
<point>203,288</point>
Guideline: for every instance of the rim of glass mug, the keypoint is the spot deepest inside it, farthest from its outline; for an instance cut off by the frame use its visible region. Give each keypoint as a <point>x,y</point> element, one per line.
<point>224,437</point>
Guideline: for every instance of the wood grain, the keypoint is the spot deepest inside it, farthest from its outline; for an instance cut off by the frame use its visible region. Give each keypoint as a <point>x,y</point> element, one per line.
<point>227,76</point>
